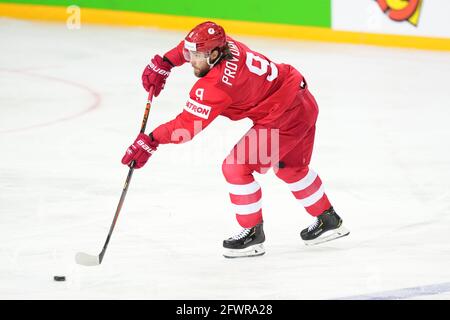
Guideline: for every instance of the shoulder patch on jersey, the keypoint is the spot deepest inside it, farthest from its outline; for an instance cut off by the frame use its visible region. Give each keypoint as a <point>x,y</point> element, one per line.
<point>197,109</point>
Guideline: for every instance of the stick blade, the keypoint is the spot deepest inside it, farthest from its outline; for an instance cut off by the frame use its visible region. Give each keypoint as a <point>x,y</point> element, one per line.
<point>88,260</point>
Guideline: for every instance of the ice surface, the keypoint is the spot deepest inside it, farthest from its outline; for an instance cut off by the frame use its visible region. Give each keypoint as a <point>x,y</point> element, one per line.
<point>71,102</point>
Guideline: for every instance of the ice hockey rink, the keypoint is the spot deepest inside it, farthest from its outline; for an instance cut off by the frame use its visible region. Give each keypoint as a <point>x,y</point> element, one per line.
<point>71,102</point>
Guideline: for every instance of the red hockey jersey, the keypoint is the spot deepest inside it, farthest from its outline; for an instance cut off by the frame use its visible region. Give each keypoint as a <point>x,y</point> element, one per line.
<point>248,86</point>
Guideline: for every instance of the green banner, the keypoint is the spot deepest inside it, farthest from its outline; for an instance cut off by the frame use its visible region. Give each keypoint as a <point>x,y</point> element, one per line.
<point>315,13</point>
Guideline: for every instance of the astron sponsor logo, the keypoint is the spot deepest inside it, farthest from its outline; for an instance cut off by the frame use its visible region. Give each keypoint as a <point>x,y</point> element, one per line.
<point>402,10</point>
<point>144,146</point>
<point>158,70</point>
<point>197,109</point>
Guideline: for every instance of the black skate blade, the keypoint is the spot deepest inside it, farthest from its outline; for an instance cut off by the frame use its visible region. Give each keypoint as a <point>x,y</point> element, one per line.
<point>337,233</point>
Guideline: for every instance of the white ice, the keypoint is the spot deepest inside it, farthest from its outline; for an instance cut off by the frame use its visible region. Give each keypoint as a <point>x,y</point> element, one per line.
<point>71,102</point>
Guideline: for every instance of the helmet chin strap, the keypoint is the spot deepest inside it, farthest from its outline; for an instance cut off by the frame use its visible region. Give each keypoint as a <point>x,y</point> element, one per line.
<point>214,63</point>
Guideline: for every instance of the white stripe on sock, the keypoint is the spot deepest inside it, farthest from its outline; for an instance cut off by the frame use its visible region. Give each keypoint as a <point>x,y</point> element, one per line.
<point>312,199</point>
<point>303,183</point>
<point>244,209</point>
<point>243,189</point>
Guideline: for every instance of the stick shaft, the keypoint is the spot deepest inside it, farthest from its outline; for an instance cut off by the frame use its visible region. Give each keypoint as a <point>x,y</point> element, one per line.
<point>128,180</point>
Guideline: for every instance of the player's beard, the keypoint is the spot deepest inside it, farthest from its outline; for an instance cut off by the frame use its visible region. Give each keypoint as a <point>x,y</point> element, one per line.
<point>200,73</point>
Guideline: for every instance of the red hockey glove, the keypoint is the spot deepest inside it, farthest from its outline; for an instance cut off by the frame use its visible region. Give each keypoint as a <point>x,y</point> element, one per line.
<point>140,151</point>
<point>155,74</point>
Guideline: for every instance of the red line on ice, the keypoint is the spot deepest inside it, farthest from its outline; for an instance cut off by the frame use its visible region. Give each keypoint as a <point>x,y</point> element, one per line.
<point>94,105</point>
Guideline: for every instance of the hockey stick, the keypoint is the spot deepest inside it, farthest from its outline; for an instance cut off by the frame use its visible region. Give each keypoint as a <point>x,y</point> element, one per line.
<point>92,260</point>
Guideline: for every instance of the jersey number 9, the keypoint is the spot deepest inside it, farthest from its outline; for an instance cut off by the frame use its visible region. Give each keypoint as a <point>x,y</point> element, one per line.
<point>262,70</point>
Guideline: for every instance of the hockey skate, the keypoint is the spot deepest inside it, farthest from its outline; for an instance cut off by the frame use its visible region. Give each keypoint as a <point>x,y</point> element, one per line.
<point>247,243</point>
<point>327,226</point>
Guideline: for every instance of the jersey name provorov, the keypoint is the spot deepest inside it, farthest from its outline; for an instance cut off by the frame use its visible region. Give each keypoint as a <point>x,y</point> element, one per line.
<point>197,109</point>
<point>231,66</point>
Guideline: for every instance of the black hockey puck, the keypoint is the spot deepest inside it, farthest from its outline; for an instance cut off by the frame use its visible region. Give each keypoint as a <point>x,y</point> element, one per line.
<point>59,278</point>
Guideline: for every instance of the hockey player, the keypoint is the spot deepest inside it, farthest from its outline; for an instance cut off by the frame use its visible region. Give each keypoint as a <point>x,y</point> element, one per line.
<point>237,82</point>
